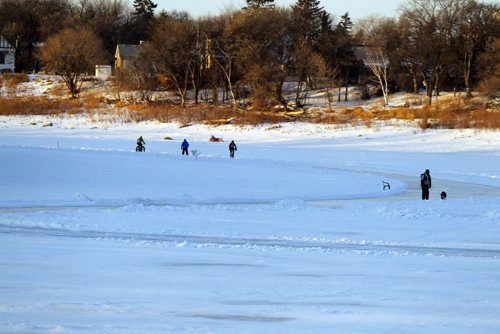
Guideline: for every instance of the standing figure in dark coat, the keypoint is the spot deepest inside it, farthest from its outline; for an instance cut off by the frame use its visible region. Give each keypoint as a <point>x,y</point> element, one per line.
<point>140,145</point>
<point>184,147</point>
<point>232,148</point>
<point>425,184</point>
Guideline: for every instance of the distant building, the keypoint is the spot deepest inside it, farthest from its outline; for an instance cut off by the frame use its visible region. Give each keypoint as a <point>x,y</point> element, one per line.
<point>7,56</point>
<point>102,72</point>
<point>125,54</point>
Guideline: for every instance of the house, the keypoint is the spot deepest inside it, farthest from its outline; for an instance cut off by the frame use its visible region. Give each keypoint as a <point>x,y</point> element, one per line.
<point>125,54</point>
<point>7,56</point>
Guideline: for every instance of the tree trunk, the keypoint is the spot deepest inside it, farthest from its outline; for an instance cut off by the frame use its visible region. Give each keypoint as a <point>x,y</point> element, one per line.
<point>215,94</point>
<point>385,90</point>
<point>468,64</point>
<point>428,87</point>
<point>279,92</point>
<point>192,74</point>
<point>436,83</point>
<point>227,74</point>
<point>414,79</point>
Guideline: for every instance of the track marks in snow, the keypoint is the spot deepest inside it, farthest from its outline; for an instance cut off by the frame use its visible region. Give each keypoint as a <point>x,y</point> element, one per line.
<point>266,244</point>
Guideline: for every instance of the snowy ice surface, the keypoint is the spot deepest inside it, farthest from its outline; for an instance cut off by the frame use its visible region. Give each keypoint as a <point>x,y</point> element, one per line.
<point>294,235</point>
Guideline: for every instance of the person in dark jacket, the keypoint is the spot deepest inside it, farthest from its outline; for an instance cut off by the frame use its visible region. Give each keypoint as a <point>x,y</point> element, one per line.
<point>140,144</point>
<point>425,184</point>
<point>184,147</point>
<point>232,148</point>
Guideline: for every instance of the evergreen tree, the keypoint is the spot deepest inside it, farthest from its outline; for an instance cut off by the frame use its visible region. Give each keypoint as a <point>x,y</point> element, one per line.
<point>349,66</point>
<point>326,22</point>
<point>143,17</point>
<point>345,24</point>
<point>308,18</point>
<point>255,4</point>
<point>144,9</point>
<point>326,45</point>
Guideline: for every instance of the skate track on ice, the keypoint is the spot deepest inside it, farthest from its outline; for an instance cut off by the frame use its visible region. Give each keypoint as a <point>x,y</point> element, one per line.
<point>454,189</point>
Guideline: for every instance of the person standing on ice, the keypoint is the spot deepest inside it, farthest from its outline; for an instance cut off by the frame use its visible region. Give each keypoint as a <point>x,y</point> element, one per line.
<point>232,148</point>
<point>184,147</point>
<point>425,184</point>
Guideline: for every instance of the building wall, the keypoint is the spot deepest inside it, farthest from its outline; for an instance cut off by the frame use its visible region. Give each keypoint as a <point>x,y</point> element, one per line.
<point>102,72</point>
<point>7,59</point>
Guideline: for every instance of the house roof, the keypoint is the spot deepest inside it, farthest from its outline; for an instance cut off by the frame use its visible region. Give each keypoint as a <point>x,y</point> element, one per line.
<point>127,50</point>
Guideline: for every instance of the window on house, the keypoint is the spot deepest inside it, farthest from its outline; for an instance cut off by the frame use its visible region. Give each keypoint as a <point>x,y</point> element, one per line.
<point>2,57</point>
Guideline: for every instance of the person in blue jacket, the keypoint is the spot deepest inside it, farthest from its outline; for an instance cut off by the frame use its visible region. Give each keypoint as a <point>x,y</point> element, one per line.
<point>184,147</point>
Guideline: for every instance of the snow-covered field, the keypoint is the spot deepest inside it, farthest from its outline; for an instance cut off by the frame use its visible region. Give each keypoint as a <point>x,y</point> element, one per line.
<point>294,235</point>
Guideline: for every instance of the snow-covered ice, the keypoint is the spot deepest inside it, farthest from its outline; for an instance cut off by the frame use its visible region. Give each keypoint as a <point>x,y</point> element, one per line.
<point>294,235</point>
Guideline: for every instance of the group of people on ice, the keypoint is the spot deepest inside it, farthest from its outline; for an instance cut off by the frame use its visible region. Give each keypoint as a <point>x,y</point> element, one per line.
<point>184,147</point>
<point>425,177</point>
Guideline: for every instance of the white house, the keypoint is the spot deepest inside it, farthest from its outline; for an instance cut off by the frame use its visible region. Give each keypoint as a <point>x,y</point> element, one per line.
<point>7,58</point>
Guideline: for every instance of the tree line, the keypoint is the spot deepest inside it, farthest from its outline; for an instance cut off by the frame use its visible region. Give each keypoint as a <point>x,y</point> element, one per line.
<point>253,52</point>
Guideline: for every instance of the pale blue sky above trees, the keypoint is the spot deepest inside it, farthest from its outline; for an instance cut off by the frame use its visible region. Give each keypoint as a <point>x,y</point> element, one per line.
<point>357,8</point>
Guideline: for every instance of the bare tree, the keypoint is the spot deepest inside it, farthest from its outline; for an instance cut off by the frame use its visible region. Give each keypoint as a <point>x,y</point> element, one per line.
<point>490,70</point>
<point>480,24</point>
<point>226,64</point>
<point>327,79</point>
<point>309,67</point>
<point>404,54</point>
<point>107,18</point>
<point>432,31</point>
<point>72,54</point>
<point>372,32</point>
<point>261,43</point>
<point>24,23</point>
<point>172,52</point>
<point>138,76</point>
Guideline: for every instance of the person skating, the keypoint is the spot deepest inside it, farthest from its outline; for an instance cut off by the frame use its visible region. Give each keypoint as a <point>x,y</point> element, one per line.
<point>425,184</point>
<point>184,147</point>
<point>232,148</point>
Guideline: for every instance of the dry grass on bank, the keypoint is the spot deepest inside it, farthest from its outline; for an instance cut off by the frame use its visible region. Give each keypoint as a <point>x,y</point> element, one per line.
<point>458,117</point>
<point>39,106</point>
<point>446,114</point>
<point>206,114</point>
<point>10,81</point>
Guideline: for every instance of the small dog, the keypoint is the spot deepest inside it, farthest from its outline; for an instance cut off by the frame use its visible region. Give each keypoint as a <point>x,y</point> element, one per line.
<point>443,195</point>
<point>196,153</point>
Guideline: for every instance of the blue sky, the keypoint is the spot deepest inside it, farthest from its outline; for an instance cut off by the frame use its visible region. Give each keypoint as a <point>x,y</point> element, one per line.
<point>357,8</point>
